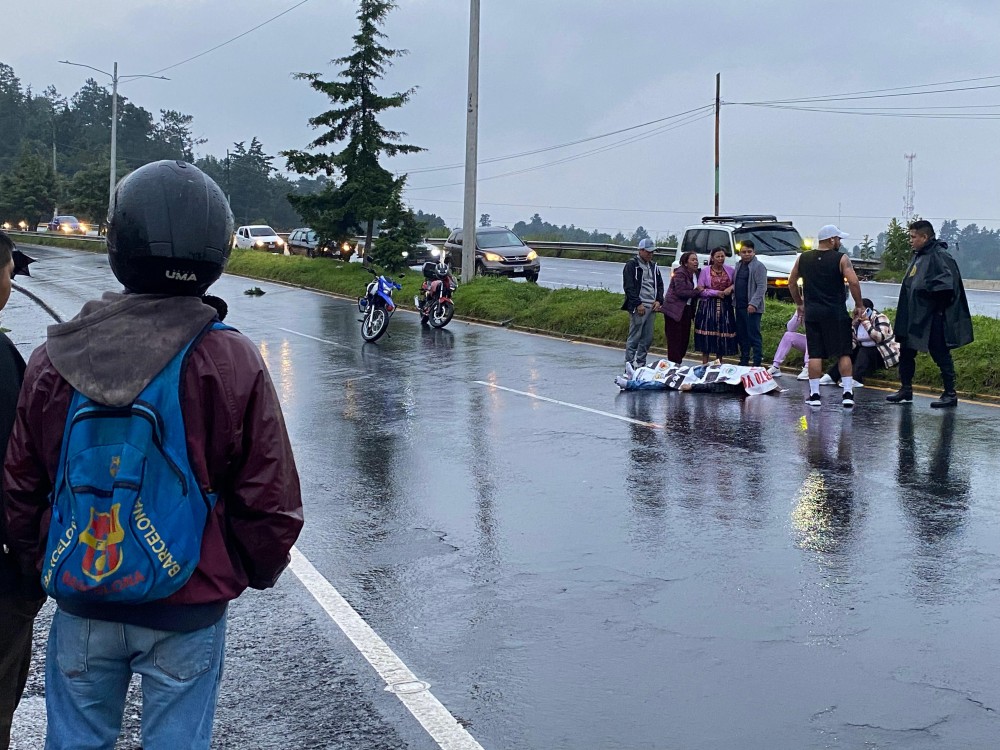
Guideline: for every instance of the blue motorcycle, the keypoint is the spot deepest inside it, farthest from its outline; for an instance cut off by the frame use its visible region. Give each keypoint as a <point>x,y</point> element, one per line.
<point>377,305</point>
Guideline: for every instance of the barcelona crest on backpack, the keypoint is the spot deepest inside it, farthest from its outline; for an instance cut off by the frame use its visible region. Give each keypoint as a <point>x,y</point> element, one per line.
<point>128,514</point>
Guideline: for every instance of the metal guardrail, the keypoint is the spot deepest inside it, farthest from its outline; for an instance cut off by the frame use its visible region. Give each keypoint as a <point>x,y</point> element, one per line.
<point>867,268</point>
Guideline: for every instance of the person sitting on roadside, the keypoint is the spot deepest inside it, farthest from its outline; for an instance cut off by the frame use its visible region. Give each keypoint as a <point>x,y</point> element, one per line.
<point>875,346</point>
<point>791,339</point>
<point>678,306</point>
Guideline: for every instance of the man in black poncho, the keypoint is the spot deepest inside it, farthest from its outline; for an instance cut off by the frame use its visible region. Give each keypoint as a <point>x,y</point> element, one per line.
<point>932,315</point>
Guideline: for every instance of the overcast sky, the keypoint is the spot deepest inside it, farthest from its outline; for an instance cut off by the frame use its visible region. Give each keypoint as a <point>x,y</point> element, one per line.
<point>556,71</point>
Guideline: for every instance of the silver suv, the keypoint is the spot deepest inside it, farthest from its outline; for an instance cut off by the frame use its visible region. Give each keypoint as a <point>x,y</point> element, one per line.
<point>499,252</point>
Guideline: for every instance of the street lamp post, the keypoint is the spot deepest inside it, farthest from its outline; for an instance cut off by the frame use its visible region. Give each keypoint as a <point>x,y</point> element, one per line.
<point>114,116</point>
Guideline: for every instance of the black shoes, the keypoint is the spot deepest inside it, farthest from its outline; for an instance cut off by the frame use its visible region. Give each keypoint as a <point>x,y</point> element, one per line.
<point>902,396</point>
<point>947,400</point>
<point>814,400</point>
<point>848,401</point>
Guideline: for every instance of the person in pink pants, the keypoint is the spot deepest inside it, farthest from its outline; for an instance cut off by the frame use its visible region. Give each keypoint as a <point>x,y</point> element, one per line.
<point>791,339</point>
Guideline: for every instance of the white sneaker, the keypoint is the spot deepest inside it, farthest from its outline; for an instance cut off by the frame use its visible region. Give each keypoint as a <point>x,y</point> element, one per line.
<point>858,385</point>
<point>804,375</point>
<point>775,371</point>
<point>827,380</point>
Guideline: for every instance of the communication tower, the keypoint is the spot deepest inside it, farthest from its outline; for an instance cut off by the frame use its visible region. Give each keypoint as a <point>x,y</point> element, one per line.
<point>908,196</point>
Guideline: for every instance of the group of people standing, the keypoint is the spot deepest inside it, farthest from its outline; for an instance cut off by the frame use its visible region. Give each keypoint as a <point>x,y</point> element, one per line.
<point>725,304</point>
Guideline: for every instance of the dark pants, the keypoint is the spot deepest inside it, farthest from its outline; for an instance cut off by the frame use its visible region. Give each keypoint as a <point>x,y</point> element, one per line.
<point>748,336</point>
<point>678,334</point>
<point>866,359</point>
<point>16,618</point>
<point>939,352</point>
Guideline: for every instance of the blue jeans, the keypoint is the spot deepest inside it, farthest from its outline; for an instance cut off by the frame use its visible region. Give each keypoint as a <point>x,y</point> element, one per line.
<point>89,664</point>
<point>749,337</point>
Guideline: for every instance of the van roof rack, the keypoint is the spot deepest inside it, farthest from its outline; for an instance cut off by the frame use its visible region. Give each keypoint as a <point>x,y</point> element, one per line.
<point>738,219</point>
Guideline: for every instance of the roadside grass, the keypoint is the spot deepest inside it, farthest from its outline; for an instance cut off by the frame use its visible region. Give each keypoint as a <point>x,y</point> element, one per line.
<point>72,243</point>
<point>597,315</point>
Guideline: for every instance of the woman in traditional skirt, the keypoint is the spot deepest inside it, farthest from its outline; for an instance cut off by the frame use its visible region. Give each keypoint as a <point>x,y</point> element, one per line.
<point>715,321</point>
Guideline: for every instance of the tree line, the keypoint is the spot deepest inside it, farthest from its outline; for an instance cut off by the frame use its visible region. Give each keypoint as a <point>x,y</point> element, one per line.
<point>55,154</point>
<point>975,248</point>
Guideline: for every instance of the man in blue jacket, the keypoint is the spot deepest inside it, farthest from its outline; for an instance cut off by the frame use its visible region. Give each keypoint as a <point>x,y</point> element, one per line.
<point>748,299</point>
<point>643,287</point>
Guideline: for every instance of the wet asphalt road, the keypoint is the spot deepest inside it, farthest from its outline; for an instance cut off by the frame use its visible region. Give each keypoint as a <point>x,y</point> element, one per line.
<point>660,570</point>
<point>588,274</point>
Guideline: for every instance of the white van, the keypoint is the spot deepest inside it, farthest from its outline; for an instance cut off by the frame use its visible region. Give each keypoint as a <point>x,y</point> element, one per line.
<point>777,244</point>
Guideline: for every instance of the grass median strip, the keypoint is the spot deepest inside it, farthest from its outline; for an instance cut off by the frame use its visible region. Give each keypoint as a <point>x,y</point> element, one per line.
<point>596,315</point>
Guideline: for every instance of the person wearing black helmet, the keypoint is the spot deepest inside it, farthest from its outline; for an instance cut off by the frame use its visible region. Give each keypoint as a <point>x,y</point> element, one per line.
<point>169,236</point>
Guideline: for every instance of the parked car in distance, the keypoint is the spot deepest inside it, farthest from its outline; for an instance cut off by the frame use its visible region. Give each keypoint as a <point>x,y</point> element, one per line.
<point>499,252</point>
<point>259,237</point>
<point>425,252</point>
<point>68,225</point>
<point>303,241</point>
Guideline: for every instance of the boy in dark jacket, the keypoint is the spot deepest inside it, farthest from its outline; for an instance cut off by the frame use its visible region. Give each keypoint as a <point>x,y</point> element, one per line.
<point>169,238</point>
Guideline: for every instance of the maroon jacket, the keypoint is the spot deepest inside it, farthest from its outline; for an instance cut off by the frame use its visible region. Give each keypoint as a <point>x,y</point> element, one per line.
<point>679,291</point>
<point>236,437</point>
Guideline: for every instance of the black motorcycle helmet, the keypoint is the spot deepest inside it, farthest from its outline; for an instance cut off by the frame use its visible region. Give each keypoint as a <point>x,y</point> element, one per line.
<point>170,230</point>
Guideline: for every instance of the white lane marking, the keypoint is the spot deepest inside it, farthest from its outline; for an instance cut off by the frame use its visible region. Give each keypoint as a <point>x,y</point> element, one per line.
<point>571,406</point>
<point>415,694</point>
<point>315,338</point>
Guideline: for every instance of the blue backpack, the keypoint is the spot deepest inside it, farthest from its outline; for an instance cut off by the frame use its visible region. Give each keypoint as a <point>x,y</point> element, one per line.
<point>128,514</point>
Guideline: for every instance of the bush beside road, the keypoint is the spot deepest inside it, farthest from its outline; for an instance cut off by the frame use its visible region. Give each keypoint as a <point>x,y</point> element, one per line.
<point>595,315</point>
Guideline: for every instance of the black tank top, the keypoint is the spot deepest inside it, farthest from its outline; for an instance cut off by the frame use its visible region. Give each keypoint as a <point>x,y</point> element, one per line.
<point>822,283</point>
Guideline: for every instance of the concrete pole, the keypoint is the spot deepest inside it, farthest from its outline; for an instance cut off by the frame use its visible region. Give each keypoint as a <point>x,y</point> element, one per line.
<point>718,102</point>
<point>114,136</point>
<point>471,149</point>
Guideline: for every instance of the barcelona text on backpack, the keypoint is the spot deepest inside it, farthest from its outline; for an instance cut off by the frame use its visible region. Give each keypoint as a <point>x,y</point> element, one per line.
<point>128,514</point>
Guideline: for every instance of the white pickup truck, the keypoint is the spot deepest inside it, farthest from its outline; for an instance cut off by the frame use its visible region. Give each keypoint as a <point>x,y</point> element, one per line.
<point>777,244</point>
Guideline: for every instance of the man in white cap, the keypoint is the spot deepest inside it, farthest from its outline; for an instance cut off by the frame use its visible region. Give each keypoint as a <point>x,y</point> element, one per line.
<point>643,287</point>
<point>823,272</point>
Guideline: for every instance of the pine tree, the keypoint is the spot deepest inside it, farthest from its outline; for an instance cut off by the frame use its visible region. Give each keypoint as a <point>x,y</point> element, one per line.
<point>366,189</point>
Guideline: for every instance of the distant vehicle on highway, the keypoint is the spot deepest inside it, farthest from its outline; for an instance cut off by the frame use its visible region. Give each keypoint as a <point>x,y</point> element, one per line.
<point>304,241</point>
<point>776,244</point>
<point>424,252</point>
<point>68,225</point>
<point>499,252</point>
<point>259,237</point>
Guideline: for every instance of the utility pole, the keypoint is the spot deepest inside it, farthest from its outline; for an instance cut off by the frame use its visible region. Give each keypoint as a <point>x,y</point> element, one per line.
<point>114,116</point>
<point>114,137</point>
<point>908,195</point>
<point>718,106</point>
<point>471,149</point>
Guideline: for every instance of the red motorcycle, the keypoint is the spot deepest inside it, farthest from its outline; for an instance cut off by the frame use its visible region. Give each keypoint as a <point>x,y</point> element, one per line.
<point>434,301</point>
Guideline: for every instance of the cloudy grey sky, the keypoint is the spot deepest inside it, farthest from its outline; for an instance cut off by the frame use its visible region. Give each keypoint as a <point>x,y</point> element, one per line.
<point>556,71</point>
